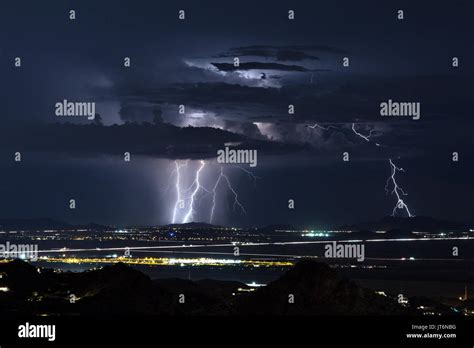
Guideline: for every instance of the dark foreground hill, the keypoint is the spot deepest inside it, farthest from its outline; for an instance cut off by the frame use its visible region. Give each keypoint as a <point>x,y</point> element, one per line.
<point>122,290</point>
<point>316,289</point>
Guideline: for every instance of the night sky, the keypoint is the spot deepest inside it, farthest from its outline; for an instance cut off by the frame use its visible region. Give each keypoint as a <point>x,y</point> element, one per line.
<point>189,62</point>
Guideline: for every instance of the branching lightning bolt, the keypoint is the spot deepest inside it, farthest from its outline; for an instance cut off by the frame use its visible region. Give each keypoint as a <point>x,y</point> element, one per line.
<point>197,187</point>
<point>179,198</point>
<point>365,137</point>
<point>231,189</point>
<point>236,196</point>
<point>397,190</point>
<point>191,193</point>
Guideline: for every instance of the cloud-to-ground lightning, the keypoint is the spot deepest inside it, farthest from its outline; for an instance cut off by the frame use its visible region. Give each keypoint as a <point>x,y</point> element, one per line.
<point>365,137</point>
<point>391,181</point>
<point>236,196</point>
<point>189,195</point>
<point>197,186</point>
<point>397,190</point>
<point>179,199</point>
<point>214,192</point>
<point>231,189</point>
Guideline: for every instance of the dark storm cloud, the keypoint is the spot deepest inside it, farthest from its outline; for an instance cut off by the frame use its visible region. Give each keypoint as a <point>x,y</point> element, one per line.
<point>262,66</point>
<point>157,115</point>
<point>249,129</point>
<point>353,99</point>
<point>290,61</point>
<point>241,108</point>
<point>155,140</point>
<point>130,112</point>
<point>211,95</point>
<point>318,48</point>
<point>281,53</point>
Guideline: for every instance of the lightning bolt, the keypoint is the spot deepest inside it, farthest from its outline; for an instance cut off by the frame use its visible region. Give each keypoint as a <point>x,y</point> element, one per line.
<point>365,137</point>
<point>397,190</point>
<point>191,194</point>
<point>231,189</point>
<point>250,174</point>
<point>214,192</point>
<point>197,187</point>
<point>236,196</point>
<point>316,125</point>
<point>179,198</point>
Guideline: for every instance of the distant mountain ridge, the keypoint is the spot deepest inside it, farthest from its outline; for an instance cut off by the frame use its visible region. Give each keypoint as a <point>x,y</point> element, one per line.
<point>279,227</point>
<point>194,225</point>
<point>417,223</point>
<point>43,224</point>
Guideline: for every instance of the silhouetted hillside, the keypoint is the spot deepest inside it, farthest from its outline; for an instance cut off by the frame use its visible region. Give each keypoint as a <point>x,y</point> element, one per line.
<point>121,290</point>
<point>317,289</point>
